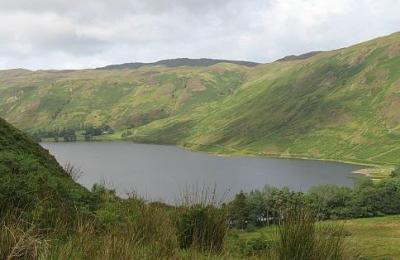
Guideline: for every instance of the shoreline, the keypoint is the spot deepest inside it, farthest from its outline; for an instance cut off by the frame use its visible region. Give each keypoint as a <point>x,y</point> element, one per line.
<point>374,171</point>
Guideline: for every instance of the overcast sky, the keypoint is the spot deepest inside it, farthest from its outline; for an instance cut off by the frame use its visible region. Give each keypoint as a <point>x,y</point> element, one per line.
<point>44,34</point>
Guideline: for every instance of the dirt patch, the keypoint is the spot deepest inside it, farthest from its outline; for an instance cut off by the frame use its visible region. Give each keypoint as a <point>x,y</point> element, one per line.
<point>392,105</point>
<point>359,139</point>
<point>183,97</point>
<point>394,50</point>
<point>396,86</point>
<point>12,99</point>
<point>195,85</point>
<point>359,57</point>
<point>218,69</point>
<point>150,81</point>
<point>338,118</point>
<point>382,75</point>
<point>390,111</point>
<point>164,90</point>
<point>272,149</point>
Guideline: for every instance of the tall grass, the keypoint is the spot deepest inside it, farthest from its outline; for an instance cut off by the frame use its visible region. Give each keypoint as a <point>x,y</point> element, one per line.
<point>115,228</point>
<point>19,240</point>
<point>205,195</point>
<point>300,238</point>
<point>72,171</point>
<point>200,220</point>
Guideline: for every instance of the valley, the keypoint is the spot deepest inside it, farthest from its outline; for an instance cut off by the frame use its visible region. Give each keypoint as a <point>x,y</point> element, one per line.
<point>336,105</point>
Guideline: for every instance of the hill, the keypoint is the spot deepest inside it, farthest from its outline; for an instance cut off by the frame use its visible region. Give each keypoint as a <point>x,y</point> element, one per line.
<point>299,57</point>
<point>33,185</point>
<point>48,100</point>
<point>17,143</point>
<point>337,105</point>
<point>173,63</point>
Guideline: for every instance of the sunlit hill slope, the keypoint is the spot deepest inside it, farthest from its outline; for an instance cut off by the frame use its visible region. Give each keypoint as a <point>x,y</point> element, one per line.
<point>339,105</point>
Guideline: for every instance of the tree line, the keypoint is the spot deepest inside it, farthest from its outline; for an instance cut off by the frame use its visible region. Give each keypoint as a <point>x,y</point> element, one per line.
<point>366,199</point>
<point>70,134</point>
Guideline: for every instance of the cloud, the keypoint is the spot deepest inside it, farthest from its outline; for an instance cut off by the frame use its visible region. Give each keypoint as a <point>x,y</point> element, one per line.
<point>77,34</point>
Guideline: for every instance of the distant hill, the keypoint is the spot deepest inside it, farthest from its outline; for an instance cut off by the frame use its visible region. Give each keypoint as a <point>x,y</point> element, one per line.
<point>47,100</point>
<point>338,105</point>
<point>300,57</point>
<point>172,63</point>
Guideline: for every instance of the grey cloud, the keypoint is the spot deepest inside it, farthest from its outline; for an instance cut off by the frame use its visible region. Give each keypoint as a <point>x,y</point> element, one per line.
<point>76,34</point>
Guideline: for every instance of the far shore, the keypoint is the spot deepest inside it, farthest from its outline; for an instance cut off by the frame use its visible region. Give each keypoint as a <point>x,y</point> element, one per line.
<point>372,170</point>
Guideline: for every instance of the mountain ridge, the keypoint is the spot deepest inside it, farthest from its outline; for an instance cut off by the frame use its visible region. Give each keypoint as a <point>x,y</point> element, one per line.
<point>178,62</point>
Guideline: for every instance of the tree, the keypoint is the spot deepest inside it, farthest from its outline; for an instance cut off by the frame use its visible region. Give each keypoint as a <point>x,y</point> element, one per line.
<point>329,201</point>
<point>257,208</point>
<point>239,211</point>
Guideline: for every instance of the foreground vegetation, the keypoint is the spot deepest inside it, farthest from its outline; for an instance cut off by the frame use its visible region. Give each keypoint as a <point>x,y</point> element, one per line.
<point>45,214</point>
<point>366,199</point>
<point>367,238</point>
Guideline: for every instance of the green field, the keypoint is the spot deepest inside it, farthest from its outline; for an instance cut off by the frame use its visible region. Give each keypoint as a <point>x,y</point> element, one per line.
<point>337,105</point>
<point>369,238</point>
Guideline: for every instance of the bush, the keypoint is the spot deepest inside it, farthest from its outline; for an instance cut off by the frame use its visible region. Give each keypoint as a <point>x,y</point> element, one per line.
<point>299,238</point>
<point>38,195</point>
<point>201,227</point>
<point>258,246</point>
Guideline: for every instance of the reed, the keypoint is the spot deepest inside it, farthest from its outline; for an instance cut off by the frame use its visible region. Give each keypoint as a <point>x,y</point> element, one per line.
<point>300,238</point>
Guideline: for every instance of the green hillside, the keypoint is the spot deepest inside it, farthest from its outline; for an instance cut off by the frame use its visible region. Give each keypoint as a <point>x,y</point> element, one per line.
<point>121,98</point>
<point>33,185</point>
<point>338,105</point>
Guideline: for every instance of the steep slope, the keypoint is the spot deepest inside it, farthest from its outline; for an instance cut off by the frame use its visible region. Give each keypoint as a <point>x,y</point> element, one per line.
<point>32,184</point>
<point>300,57</point>
<point>17,143</point>
<point>340,105</point>
<point>121,98</point>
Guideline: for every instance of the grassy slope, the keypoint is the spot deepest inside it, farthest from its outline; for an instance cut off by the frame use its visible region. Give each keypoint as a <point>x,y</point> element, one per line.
<point>15,142</point>
<point>338,105</point>
<point>374,238</point>
<point>121,98</point>
<point>29,173</point>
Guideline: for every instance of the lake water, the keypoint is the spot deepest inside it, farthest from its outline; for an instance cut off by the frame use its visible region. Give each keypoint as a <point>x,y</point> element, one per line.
<point>159,172</point>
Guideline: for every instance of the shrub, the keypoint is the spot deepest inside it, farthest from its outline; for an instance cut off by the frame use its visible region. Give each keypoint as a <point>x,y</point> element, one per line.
<point>300,238</point>
<point>201,227</point>
<point>150,224</point>
<point>258,246</point>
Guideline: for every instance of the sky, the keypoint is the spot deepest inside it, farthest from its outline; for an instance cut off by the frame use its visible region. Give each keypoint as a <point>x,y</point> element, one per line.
<point>75,34</point>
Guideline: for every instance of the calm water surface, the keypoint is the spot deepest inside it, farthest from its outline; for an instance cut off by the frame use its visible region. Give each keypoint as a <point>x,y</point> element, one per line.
<point>160,172</point>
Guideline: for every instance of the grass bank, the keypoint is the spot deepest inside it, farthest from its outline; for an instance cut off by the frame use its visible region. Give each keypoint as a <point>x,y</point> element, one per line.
<point>371,238</point>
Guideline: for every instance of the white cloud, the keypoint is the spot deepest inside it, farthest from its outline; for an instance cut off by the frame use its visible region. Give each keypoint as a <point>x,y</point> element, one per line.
<point>76,34</point>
